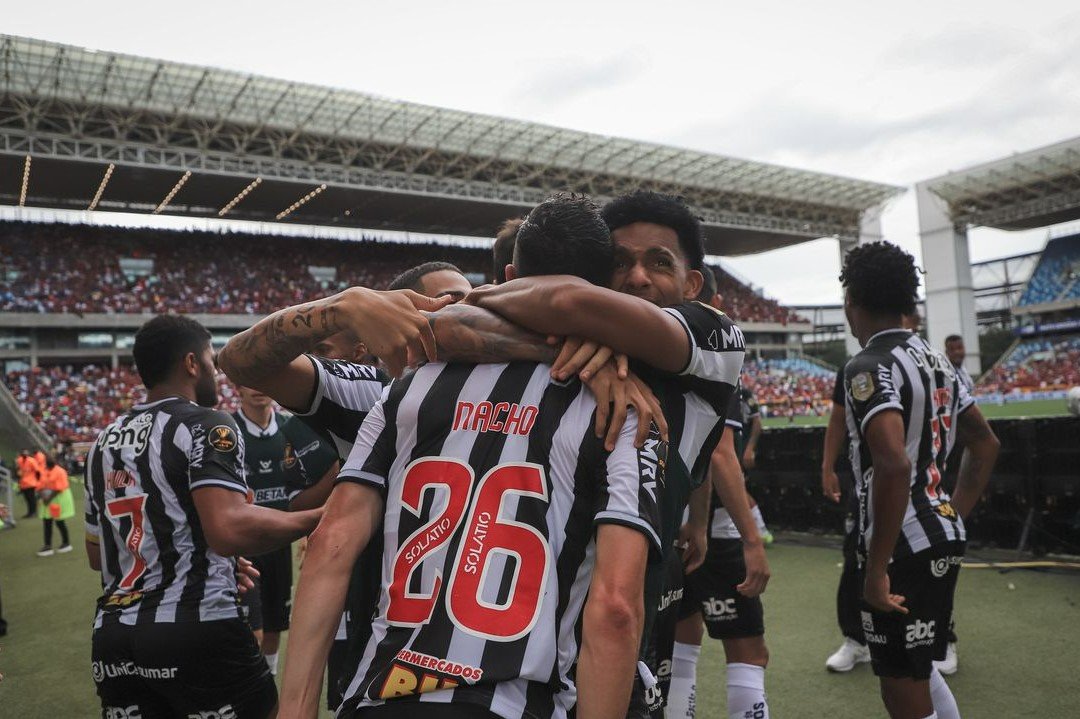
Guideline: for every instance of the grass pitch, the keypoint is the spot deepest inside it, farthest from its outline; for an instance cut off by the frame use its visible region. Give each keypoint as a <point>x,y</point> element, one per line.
<point>1019,633</point>
<point>1011,410</point>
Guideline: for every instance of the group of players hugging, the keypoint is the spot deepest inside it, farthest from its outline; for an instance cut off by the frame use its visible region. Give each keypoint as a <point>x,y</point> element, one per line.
<point>518,500</point>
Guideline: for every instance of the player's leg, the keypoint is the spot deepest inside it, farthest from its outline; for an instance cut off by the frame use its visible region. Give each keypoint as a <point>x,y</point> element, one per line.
<point>907,698</point>
<point>122,693</point>
<point>950,663</point>
<point>854,650</point>
<point>682,688</point>
<point>276,597</point>
<point>755,510</point>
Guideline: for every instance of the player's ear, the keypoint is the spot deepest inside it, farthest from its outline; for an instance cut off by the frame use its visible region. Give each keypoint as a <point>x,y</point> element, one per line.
<point>694,282</point>
<point>191,364</point>
<point>510,272</point>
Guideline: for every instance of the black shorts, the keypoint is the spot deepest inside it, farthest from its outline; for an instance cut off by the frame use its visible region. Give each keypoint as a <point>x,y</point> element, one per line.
<point>203,669</point>
<point>269,604</point>
<point>906,645</point>
<point>711,590</point>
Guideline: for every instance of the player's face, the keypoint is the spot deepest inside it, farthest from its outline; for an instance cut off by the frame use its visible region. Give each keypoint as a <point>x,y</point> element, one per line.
<point>252,398</point>
<point>649,264</point>
<point>445,282</point>
<point>955,351</point>
<point>206,381</point>
<point>341,346</point>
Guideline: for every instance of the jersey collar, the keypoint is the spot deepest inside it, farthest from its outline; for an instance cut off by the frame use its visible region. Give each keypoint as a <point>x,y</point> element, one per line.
<point>893,330</point>
<point>255,430</point>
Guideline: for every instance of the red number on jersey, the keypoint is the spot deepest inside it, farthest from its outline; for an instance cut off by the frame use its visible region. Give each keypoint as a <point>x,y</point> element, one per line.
<point>133,507</point>
<point>942,406</point>
<point>487,533</point>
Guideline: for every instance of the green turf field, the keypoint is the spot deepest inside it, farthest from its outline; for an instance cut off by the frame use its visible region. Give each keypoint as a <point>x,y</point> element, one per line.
<point>1013,410</point>
<point>1019,634</point>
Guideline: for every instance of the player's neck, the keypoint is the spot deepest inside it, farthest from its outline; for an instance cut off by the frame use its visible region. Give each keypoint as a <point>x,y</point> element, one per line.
<point>874,325</point>
<point>261,416</point>
<point>165,390</point>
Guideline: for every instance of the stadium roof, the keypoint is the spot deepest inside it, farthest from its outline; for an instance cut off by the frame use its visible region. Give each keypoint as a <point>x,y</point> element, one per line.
<point>1023,191</point>
<point>319,155</point>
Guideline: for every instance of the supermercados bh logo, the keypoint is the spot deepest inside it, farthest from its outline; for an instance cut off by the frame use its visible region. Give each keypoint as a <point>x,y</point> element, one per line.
<point>135,435</point>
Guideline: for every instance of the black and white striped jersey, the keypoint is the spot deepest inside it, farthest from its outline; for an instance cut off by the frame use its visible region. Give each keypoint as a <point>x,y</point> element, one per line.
<point>344,393</point>
<point>156,566</point>
<point>494,483</point>
<point>899,371</point>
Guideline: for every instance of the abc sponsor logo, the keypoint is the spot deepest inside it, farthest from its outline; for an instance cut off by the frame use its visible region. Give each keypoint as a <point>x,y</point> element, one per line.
<point>920,633</point>
<point>722,610</point>
<point>131,712</point>
<point>225,712</point>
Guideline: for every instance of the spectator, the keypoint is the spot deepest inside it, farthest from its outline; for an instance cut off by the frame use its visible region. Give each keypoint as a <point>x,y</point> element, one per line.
<point>57,505</point>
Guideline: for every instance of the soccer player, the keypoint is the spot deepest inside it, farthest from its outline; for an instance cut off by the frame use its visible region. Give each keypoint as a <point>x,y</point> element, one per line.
<point>482,622</point>
<point>433,279</point>
<point>905,407</point>
<point>746,438</point>
<point>659,256</point>
<point>166,509</point>
<point>271,466</point>
<point>955,351</point>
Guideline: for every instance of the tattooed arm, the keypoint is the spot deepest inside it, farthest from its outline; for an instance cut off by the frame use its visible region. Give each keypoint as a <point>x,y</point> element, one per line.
<point>269,356</point>
<point>470,334</point>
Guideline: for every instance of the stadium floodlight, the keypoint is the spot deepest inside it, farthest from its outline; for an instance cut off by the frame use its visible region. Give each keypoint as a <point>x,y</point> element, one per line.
<point>101,187</point>
<point>242,194</point>
<point>299,203</point>
<point>25,182</point>
<point>172,192</point>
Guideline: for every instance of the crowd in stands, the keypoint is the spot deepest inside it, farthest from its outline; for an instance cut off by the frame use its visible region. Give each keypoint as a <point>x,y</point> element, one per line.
<point>1057,276</point>
<point>53,268</point>
<point>790,387</point>
<point>1036,364</point>
<point>73,404</point>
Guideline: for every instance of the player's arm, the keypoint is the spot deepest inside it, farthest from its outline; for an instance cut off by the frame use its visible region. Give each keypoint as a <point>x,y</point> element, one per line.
<point>92,532</point>
<point>726,475</point>
<point>564,305</point>
<point>694,535</point>
<point>612,623</point>
<point>981,447</point>
<point>93,552</point>
<point>834,444</point>
<point>884,434</point>
<point>749,453</point>
<point>232,526</point>
<point>353,513</point>
<point>267,356</point>
<point>317,494</point>
<point>464,333</point>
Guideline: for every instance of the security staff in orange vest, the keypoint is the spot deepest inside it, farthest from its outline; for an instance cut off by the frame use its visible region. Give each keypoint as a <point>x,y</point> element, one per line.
<point>29,474</point>
<point>57,505</point>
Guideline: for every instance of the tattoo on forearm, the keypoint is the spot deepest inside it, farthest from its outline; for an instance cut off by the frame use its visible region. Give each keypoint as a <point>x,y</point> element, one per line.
<point>465,333</point>
<point>278,339</point>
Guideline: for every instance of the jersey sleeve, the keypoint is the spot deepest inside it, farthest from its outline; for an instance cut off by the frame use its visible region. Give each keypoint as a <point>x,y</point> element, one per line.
<point>716,356</point>
<point>964,398</point>
<point>344,393</point>
<point>633,482</point>
<point>870,388</point>
<point>838,387</point>
<point>315,453</point>
<point>216,454</point>
<point>93,526</point>
<point>752,406</point>
<point>734,414</point>
<point>373,453</point>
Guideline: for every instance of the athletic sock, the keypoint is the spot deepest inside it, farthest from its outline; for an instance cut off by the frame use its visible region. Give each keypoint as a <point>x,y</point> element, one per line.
<point>746,692</point>
<point>271,661</point>
<point>758,519</point>
<point>682,692</point>
<point>942,697</point>
<point>931,716</point>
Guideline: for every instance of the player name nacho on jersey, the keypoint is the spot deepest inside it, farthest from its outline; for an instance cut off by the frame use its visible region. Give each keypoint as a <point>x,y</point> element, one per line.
<point>505,417</point>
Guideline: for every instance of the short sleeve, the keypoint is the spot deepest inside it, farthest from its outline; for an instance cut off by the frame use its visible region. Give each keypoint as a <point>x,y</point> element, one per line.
<point>734,418</point>
<point>216,453</point>
<point>633,483</point>
<point>344,393</point>
<point>838,387</point>
<point>870,387</point>
<point>964,398</point>
<point>716,356</point>
<point>315,453</point>
<point>753,409</point>
<point>93,526</point>
<point>373,452</point>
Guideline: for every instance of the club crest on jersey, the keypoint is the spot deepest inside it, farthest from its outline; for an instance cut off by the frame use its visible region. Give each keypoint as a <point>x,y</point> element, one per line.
<point>290,456</point>
<point>505,417</point>
<point>222,438</point>
<point>862,386</point>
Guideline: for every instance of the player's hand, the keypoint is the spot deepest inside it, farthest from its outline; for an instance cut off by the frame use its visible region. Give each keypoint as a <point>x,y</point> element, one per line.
<point>246,574</point>
<point>757,570</point>
<point>830,485</point>
<point>584,358</point>
<point>613,396</point>
<point>694,541</point>
<point>392,326</point>
<point>877,595</point>
<point>748,459</point>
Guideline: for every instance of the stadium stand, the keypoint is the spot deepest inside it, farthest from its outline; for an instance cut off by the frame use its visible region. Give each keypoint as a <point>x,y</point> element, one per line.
<point>1036,364</point>
<point>1057,276</point>
<point>744,304</point>
<point>789,387</point>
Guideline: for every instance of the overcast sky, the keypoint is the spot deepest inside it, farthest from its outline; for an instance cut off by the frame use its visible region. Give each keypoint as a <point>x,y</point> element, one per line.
<point>887,92</point>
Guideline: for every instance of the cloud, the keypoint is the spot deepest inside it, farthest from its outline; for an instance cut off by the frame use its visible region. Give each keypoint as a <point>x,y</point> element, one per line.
<point>568,79</point>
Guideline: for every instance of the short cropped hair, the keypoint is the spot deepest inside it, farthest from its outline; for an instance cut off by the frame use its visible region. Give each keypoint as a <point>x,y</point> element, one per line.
<point>565,235</point>
<point>708,287</point>
<point>881,278</point>
<point>162,342</point>
<point>413,278</point>
<point>503,249</point>
<point>666,210</point>
<point>953,338</point>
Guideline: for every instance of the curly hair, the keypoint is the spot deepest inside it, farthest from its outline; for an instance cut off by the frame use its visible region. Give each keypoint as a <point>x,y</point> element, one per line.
<point>881,278</point>
<point>666,210</point>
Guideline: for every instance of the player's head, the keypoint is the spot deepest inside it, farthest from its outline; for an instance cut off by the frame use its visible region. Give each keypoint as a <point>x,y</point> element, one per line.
<point>252,401</point>
<point>954,350</point>
<point>433,279</point>
<point>659,247</point>
<point>342,345</point>
<point>881,285</point>
<point>564,235</point>
<point>176,349</point>
<point>708,286</point>
<point>503,249</point>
